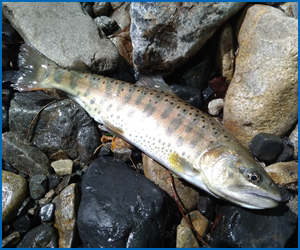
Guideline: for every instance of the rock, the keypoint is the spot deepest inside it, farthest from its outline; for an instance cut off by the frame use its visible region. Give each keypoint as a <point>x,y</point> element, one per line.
<point>88,7</point>
<point>266,67</point>
<point>225,52</point>
<point>53,181</point>
<point>185,235</point>
<point>23,224</point>
<point>295,9</point>
<point>285,194</point>
<point>293,138</point>
<point>106,24</point>
<point>286,154</point>
<point>215,106</point>
<point>66,181</point>
<point>63,125</point>
<point>46,212</point>
<point>266,147</point>
<point>26,205</point>
<point>14,192</point>
<point>119,207</point>
<point>23,156</point>
<point>293,204</point>
<point>48,198</point>
<point>166,35</point>
<point>63,167</point>
<point>121,14</point>
<point>66,215</point>
<point>283,173</point>
<point>59,155</point>
<point>187,196</point>
<point>38,186</point>
<point>8,167</point>
<point>102,8</point>
<point>122,154</point>
<point>206,207</point>
<point>55,33</point>
<point>11,240</point>
<point>42,236</point>
<point>9,34</point>
<point>191,95</point>
<point>239,227</point>
<point>287,8</point>
<point>4,117</point>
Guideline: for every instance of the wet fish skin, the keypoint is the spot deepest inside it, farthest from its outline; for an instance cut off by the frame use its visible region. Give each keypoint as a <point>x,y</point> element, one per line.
<point>177,135</point>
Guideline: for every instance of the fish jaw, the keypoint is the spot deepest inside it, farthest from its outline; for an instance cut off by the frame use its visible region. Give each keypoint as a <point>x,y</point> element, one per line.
<point>226,175</point>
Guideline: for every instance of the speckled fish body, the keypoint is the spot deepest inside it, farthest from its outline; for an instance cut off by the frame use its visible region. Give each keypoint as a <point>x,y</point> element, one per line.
<point>182,138</point>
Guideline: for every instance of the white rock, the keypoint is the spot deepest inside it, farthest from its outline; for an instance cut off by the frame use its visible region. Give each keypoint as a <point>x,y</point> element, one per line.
<point>215,106</point>
<point>63,167</point>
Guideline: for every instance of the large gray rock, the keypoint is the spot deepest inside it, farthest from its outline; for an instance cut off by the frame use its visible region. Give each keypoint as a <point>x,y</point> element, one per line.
<point>63,32</point>
<point>165,35</point>
<point>263,94</point>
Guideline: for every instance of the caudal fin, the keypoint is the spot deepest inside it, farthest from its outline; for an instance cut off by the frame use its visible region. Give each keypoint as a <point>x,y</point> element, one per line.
<point>33,66</point>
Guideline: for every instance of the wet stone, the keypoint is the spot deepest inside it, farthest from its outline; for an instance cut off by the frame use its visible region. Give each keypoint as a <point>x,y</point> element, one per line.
<point>42,236</point>
<point>23,224</point>
<point>285,194</point>
<point>46,212</point>
<point>286,154</point>
<point>105,150</point>
<point>53,181</point>
<point>66,215</point>
<point>206,207</point>
<point>63,167</point>
<point>63,125</point>
<point>14,192</point>
<point>23,156</point>
<point>189,94</point>
<point>26,205</point>
<point>122,154</point>
<point>67,180</point>
<point>38,186</point>
<point>278,226</point>
<point>11,240</point>
<point>8,167</point>
<point>106,24</point>
<point>266,147</point>
<point>59,155</point>
<point>215,106</point>
<point>134,219</point>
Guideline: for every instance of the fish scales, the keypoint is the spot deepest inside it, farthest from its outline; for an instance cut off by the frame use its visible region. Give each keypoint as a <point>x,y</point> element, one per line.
<point>181,137</point>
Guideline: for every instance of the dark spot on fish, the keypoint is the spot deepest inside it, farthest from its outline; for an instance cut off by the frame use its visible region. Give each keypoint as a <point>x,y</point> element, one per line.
<point>99,112</point>
<point>213,128</point>
<point>123,82</point>
<point>95,109</point>
<point>85,76</point>
<point>195,119</point>
<point>184,110</point>
<point>150,100</point>
<point>183,153</point>
<point>129,90</point>
<point>216,132</point>
<point>138,90</point>
<point>92,101</point>
<point>225,136</point>
<point>155,102</point>
<point>203,120</point>
<point>122,90</point>
<point>151,93</point>
<point>196,115</point>
<point>203,126</point>
<point>98,78</point>
<point>87,92</point>
<point>190,113</point>
<point>212,123</point>
<point>178,107</point>
<point>179,142</point>
<point>171,103</point>
<point>78,93</point>
<point>211,142</point>
<point>166,100</point>
<point>169,145</point>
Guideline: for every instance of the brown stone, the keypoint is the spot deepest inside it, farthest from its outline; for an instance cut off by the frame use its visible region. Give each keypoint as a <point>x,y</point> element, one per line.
<point>263,94</point>
<point>283,172</point>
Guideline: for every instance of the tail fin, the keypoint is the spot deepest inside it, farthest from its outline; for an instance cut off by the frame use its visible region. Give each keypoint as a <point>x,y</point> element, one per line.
<point>33,67</point>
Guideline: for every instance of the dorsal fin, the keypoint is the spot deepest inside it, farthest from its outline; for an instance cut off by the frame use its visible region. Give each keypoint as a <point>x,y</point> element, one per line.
<point>154,82</point>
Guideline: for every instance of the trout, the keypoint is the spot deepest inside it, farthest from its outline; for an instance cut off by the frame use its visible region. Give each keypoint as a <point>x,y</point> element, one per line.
<point>148,115</point>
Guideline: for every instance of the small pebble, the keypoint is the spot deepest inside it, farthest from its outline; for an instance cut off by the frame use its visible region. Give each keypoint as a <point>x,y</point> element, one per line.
<point>44,201</point>
<point>23,224</point>
<point>11,240</point>
<point>27,204</point>
<point>38,186</point>
<point>47,212</point>
<point>215,106</point>
<point>266,147</point>
<point>50,194</point>
<point>63,167</point>
<point>106,24</point>
<point>67,180</point>
<point>53,181</point>
<point>59,155</point>
<point>122,154</point>
<point>32,210</point>
<point>101,8</point>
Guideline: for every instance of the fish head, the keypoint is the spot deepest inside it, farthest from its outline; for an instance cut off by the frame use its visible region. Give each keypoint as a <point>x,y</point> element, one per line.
<point>234,175</point>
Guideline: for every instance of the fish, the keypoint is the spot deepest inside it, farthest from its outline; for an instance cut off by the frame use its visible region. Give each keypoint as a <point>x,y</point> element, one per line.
<point>148,115</point>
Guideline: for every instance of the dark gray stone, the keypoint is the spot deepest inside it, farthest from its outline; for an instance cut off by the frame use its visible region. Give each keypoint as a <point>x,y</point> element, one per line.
<point>67,180</point>
<point>38,186</point>
<point>266,147</point>
<point>23,224</point>
<point>4,117</point>
<point>239,227</point>
<point>286,154</point>
<point>53,181</point>
<point>42,236</point>
<point>106,24</point>
<point>102,8</point>
<point>119,207</point>
<point>206,207</point>
<point>63,125</point>
<point>26,205</point>
<point>166,35</point>
<point>122,154</point>
<point>191,95</point>
<point>9,167</point>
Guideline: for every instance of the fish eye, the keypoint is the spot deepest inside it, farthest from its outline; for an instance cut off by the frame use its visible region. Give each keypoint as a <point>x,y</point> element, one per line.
<point>253,177</point>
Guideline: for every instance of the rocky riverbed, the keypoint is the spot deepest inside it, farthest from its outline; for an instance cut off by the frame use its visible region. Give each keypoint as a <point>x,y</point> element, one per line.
<point>237,62</point>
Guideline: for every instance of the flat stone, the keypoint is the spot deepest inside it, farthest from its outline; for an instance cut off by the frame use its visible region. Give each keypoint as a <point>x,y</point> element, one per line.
<point>185,235</point>
<point>63,125</point>
<point>119,207</point>
<point>64,23</point>
<point>14,192</point>
<point>283,173</point>
<point>225,52</point>
<point>63,167</point>
<point>42,236</point>
<point>155,172</point>
<point>66,215</point>
<point>263,93</point>
<point>18,152</point>
<point>166,35</point>
<point>11,240</point>
<point>270,228</point>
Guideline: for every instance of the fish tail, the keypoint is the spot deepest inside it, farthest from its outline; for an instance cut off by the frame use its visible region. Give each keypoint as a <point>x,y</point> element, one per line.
<point>33,69</point>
